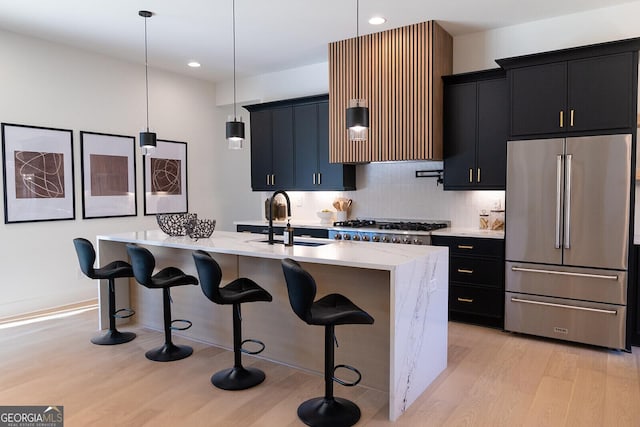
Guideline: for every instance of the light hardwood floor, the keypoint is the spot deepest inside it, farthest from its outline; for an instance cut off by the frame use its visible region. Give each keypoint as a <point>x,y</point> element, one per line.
<point>493,379</point>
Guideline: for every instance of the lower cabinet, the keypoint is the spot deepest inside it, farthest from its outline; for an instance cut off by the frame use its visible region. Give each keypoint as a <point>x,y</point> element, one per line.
<point>476,279</point>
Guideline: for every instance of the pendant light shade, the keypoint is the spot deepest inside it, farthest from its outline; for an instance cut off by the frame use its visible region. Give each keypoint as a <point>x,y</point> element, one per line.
<point>234,126</point>
<point>357,117</point>
<point>147,139</point>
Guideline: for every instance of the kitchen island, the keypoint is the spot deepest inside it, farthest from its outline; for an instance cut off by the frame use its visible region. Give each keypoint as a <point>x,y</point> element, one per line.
<point>404,287</point>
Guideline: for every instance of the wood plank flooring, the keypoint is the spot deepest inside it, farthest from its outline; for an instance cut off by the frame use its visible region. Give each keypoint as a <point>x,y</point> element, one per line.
<point>493,379</point>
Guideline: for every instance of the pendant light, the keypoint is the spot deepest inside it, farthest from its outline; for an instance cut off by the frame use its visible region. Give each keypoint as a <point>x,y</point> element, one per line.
<point>358,112</point>
<point>235,127</point>
<point>147,139</point>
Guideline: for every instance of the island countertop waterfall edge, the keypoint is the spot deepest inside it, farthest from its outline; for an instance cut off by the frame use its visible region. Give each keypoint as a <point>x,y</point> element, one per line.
<point>414,279</point>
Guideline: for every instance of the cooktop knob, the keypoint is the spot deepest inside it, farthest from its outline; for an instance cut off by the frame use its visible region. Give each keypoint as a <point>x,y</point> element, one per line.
<point>395,239</point>
<point>365,238</point>
<point>385,239</point>
<point>356,237</point>
<point>417,241</point>
<point>406,241</point>
<point>346,237</point>
<point>376,238</point>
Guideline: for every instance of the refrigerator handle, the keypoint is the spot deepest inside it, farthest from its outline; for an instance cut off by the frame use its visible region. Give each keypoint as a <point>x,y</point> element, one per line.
<point>567,205</point>
<point>558,198</point>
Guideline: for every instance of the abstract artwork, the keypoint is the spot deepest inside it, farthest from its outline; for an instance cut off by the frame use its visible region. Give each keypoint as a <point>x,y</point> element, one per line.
<point>108,175</point>
<point>165,178</point>
<point>38,173</point>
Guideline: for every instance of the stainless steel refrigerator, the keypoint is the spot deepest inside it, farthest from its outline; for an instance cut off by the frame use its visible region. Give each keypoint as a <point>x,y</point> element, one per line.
<point>567,234</point>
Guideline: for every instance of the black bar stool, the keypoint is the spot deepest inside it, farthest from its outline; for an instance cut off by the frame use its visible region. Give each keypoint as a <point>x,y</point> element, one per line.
<point>116,269</point>
<point>143,263</point>
<point>328,311</point>
<point>239,291</point>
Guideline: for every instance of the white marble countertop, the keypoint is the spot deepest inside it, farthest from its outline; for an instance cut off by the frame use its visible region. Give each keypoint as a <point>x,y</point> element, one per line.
<point>376,256</point>
<point>469,232</point>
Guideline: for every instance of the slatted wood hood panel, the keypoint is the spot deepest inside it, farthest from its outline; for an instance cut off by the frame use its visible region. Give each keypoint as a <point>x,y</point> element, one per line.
<point>400,77</point>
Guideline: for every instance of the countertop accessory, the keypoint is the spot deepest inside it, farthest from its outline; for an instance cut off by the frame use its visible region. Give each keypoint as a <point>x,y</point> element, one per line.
<point>174,224</point>
<point>200,228</point>
<point>235,127</point>
<point>147,139</point>
<point>325,216</point>
<point>357,117</point>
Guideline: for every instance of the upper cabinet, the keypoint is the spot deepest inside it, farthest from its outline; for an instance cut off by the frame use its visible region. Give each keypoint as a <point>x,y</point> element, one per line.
<point>290,147</point>
<point>401,78</point>
<point>475,131</point>
<point>587,89</point>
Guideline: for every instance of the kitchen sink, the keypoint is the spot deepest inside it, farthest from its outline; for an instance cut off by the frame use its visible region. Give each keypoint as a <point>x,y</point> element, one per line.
<point>296,243</point>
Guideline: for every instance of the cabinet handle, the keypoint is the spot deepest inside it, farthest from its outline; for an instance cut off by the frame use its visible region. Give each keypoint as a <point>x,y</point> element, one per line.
<point>478,174</point>
<point>314,178</point>
<point>268,183</point>
<point>561,119</point>
<point>465,299</point>
<point>465,246</point>
<point>319,178</point>
<point>273,179</point>
<point>464,270</point>
<point>571,118</point>
<point>470,175</point>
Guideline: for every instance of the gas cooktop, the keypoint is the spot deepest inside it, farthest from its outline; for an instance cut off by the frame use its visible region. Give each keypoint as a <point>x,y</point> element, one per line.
<point>386,231</point>
<point>391,225</point>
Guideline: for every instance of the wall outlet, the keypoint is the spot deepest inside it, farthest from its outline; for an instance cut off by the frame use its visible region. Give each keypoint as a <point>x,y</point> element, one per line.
<point>297,200</point>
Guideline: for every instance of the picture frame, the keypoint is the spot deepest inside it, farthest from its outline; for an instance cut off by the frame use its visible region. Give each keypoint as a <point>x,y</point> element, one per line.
<point>108,175</point>
<point>37,169</point>
<point>165,178</point>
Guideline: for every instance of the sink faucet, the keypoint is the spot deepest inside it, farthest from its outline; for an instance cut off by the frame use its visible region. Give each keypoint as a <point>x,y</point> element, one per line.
<point>286,197</point>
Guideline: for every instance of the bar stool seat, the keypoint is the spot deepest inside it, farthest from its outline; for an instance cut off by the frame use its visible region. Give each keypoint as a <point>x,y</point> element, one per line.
<point>143,263</point>
<point>328,311</point>
<point>238,291</point>
<point>114,270</point>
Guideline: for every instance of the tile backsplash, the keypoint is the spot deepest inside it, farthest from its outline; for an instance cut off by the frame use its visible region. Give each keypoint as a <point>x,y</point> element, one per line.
<point>391,190</point>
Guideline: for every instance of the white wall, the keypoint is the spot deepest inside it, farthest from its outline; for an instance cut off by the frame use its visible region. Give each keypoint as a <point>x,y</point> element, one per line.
<point>479,50</point>
<point>45,84</point>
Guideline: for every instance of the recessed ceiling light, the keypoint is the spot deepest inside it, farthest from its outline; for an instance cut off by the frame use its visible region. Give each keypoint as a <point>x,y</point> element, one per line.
<point>193,64</point>
<point>377,20</point>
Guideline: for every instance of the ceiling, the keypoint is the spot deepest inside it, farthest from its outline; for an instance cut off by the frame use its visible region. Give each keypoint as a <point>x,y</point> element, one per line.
<point>271,35</point>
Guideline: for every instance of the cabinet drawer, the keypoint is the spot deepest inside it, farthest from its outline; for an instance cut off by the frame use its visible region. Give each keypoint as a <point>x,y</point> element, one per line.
<point>471,246</point>
<point>477,271</point>
<point>474,300</point>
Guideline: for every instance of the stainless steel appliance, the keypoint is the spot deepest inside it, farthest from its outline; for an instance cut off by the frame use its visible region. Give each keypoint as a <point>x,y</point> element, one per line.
<point>408,232</point>
<point>567,234</point>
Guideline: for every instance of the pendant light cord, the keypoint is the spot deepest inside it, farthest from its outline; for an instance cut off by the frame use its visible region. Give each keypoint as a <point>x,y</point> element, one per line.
<point>235,117</point>
<point>358,50</point>
<point>146,70</point>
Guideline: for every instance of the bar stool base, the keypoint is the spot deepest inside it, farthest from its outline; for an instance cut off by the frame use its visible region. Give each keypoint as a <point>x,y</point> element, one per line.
<point>113,337</point>
<point>334,412</point>
<point>237,378</point>
<point>169,353</point>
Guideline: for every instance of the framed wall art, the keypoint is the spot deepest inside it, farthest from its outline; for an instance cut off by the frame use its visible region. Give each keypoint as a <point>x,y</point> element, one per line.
<point>38,173</point>
<point>108,175</point>
<point>165,178</point>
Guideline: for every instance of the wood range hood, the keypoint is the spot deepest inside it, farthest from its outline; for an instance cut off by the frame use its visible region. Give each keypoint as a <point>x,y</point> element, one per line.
<point>401,78</point>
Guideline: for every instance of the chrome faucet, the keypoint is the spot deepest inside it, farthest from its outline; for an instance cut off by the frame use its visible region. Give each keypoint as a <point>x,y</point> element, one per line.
<point>286,197</point>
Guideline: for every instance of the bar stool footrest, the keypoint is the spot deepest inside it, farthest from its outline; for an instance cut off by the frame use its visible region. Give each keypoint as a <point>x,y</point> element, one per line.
<point>183,328</point>
<point>260,343</point>
<point>129,312</point>
<point>343,382</point>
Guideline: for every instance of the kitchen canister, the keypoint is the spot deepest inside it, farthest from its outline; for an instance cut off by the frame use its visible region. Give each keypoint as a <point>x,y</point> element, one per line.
<point>496,219</point>
<point>484,220</point>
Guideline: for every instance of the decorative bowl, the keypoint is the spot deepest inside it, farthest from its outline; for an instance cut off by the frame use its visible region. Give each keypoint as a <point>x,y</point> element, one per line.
<point>174,224</point>
<point>325,216</point>
<point>200,228</point>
